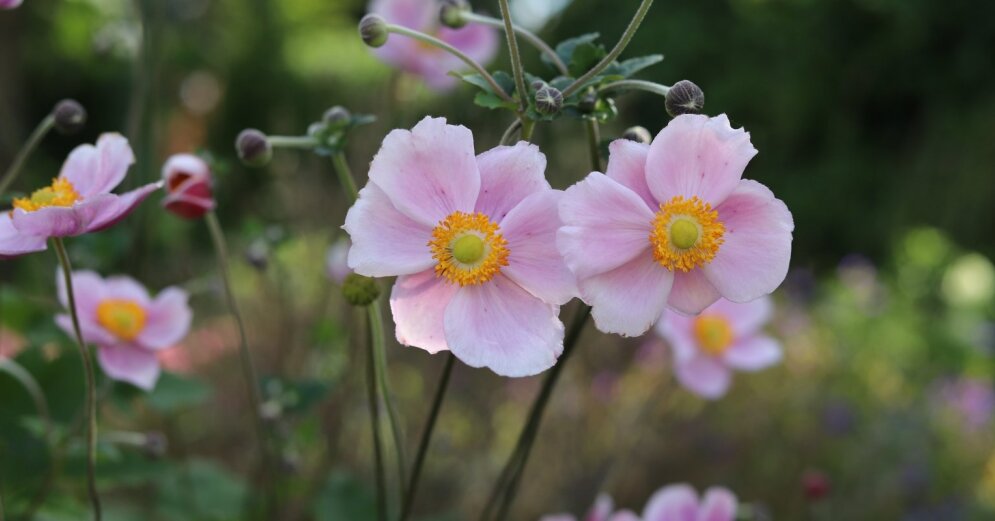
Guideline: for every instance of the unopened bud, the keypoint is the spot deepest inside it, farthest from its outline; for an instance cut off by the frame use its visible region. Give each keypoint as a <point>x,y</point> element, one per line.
<point>253,148</point>
<point>637,134</point>
<point>373,30</point>
<point>359,290</point>
<point>684,98</point>
<point>337,115</point>
<point>69,116</point>
<point>549,100</point>
<point>451,13</point>
<point>189,186</point>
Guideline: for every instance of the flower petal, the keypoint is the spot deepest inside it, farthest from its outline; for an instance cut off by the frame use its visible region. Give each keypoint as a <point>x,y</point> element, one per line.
<point>676,329</point>
<point>126,288</point>
<point>428,172</point>
<point>168,320</point>
<point>747,317</point>
<point>602,508</point>
<point>418,303</point>
<point>384,241</point>
<point>477,41</point>
<point>92,332</point>
<point>704,376</point>
<point>718,505</point>
<point>533,260</point>
<point>753,259</point>
<point>753,354</point>
<point>695,155</point>
<point>605,225</point>
<point>97,170</point>
<point>111,213</point>
<point>630,299</point>
<point>88,288</point>
<point>128,364</point>
<point>13,243</point>
<point>692,292</point>
<point>624,515</point>
<point>627,165</point>
<point>501,326</point>
<point>415,14</point>
<point>507,176</point>
<point>672,503</point>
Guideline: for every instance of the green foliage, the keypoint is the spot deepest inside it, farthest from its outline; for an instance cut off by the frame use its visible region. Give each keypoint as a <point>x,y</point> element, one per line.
<point>344,497</point>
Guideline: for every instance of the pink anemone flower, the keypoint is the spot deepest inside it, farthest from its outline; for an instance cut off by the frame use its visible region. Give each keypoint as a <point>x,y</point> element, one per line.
<point>189,186</point>
<point>681,503</point>
<point>78,201</point>
<point>472,241</point>
<point>127,325</point>
<point>432,64</point>
<point>602,510</point>
<point>673,224</point>
<point>725,336</point>
<point>9,4</point>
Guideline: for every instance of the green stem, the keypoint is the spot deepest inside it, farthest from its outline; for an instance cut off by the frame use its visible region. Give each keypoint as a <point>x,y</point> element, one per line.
<point>612,55</point>
<point>527,127</point>
<point>373,400</point>
<point>426,437</point>
<point>509,133</point>
<point>594,143</point>
<point>527,35</point>
<point>516,58</point>
<point>91,381</point>
<point>305,142</point>
<point>422,37</point>
<point>345,175</point>
<point>22,155</point>
<point>380,357</point>
<point>643,85</point>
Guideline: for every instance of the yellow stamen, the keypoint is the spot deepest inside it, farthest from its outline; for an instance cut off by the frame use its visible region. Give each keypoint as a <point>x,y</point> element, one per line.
<point>713,333</point>
<point>60,193</point>
<point>122,317</point>
<point>686,234</point>
<point>469,249</point>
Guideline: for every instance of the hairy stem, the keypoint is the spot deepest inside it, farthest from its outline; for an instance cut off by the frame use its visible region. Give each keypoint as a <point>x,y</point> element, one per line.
<point>345,175</point>
<point>594,143</point>
<point>643,85</point>
<point>22,155</point>
<point>526,35</point>
<point>509,133</point>
<point>516,58</point>
<point>374,405</point>
<point>380,358</point>
<point>612,55</point>
<point>306,142</point>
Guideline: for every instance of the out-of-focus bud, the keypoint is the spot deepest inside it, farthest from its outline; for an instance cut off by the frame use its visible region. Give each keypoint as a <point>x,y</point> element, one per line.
<point>69,115</point>
<point>337,115</point>
<point>815,484</point>
<point>253,148</point>
<point>637,134</point>
<point>257,255</point>
<point>549,100</point>
<point>451,13</point>
<point>156,445</point>
<point>684,98</point>
<point>336,263</point>
<point>373,30</point>
<point>189,186</point>
<point>588,102</point>
<point>9,4</point>
<point>359,290</point>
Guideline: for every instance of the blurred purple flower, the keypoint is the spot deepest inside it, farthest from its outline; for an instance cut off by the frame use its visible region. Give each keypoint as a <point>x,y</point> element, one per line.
<point>9,4</point>
<point>972,398</point>
<point>602,510</point>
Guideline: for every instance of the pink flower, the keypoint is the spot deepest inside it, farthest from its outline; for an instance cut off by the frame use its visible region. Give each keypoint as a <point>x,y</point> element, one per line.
<point>78,201</point>
<point>681,503</point>
<point>204,346</point>
<point>602,510</point>
<point>189,189</point>
<point>11,343</point>
<point>126,324</point>
<point>725,336</point>
<point>673,224</point>
<point>337,261</point>
<point>10,4</point>
<point>431,63</point>
<point>472,239</point>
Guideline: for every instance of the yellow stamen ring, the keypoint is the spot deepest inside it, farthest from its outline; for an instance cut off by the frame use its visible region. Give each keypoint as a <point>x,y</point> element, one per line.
<point>60,193</point>
<point>713,333</point>
<point>468,248</point>
<point>123,317</point>
<point>686,234</point>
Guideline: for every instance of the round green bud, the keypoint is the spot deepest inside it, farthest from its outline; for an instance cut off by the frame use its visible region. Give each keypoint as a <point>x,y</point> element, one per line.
<point>549,100</point>
<point>373,30</point>
<point>253,148</point>
<point>451,13</point>
<point>337,115</point>
<point>359,290</point>
<point>684,98</point>
<point>69,116</point>
<point>638,134</point>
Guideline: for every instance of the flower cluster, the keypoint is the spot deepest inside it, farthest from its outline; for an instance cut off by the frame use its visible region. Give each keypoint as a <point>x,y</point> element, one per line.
<point>670,503</point>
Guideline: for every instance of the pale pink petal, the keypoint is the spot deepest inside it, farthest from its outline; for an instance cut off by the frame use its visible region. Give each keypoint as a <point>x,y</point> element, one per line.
<point>672,503</point>
<point>128,364</point>
<point>692,292</point>
<point>677,330</point>
<point>507,176</point>
<point>428,172</point>
<point>418,303</point>
<point>92,332</point>
<point>533,260</point>
<point>602,509</point>
<point>10,4</point>
<point>337,260</point>
<point>501,326</point>
<point>605,225</point>
<point>630,299</point>
<point>718,505</point>
<point>126,288</point>
<point>624,515</point>
<point>384,241</point>
<point>558,517</point>
<point>414,14</point>
<point>80,169</point>
<point>695,155</point>
<point>57,221</point>
<point>753,354</point>
<point>119,207</point>
<point>168,320</point>
<point>627,165</point>
<point>14,243</point>
<point>704,376</point>
<point>746,318</point>
<point>88,288</point>
<point>477,41</point>
<point>97,170</point>
<point>753,259</point>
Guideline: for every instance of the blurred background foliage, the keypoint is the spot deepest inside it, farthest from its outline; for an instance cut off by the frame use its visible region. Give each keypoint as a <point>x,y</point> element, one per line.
<point>874,121</point>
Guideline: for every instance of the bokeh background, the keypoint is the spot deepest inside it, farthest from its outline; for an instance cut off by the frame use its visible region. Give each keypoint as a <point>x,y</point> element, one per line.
<point>874,121</point>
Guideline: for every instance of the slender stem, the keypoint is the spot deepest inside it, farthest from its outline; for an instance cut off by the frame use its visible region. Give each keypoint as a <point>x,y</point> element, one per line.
<point>643,85</point>
<point>509,133</point>
<point>594,144</point>
<point>22,155</point>
<point>306,142</point>
<point>91,381</point>
<point>527,127</point>
<point>422,37</point>
<point>527,35</point>
<point>426,436</point>
<point>516,58</point>
<point>612,55</point>
<point>345,175</point>
<point>380,357</point>
<point>371,392</point>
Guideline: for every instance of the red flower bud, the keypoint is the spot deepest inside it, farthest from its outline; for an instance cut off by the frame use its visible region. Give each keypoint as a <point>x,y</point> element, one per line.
<point>189,186</point>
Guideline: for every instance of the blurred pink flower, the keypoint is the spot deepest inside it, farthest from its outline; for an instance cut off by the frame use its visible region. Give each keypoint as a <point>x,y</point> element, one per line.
<point>202,347</point>
<point>189,186</point>
<point>674,224</point>
<point>9,4</point>
<point>126,324</point>
<point>472,241</point>
<point>972,398</point>
<point>432,64</point>
<point>681,503</point>
<point>337,261</point>
<point>11,343</point>
<point>602,510</point>
<point>725,336</point>
<point>78,201</point>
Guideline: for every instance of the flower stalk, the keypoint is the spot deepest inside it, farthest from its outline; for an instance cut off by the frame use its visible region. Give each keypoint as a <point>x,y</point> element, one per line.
<point>30,145</point>
<point>374,405</point>
<point>516,59</point>
<point>612,55</point>
<point>643,85</point>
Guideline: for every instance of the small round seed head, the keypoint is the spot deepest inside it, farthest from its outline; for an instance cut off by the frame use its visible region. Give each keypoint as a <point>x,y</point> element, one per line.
<point>549,100</point>
<point>451,13</point>
<point>69,116</point>
<point>637,134</point>
<point>684,98</point>
<point>359,290</point>
<point>337,115</point>
<point>373,30</point>
<point>253,148</point>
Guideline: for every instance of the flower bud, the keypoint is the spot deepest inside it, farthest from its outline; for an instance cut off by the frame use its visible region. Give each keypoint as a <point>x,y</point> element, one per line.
<point>638,134</point>
<point>253,148</point>
<point>451,13</point>
<point>684,98</point>
<point>373,30</point>
<point>189,186</point>
<point>337,116</point>
<point>549,100</point>
<point>69,116</point>
<point>359,290</point>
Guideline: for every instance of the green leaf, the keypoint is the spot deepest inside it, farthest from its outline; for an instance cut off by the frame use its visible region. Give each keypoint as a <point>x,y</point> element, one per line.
<point>585,56</point>
<point>173,393</point>
<point>344,497</point>
<point>631,66</point>
<point>565,49</point>
<point>200,489</point>
<point>492,101</point>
